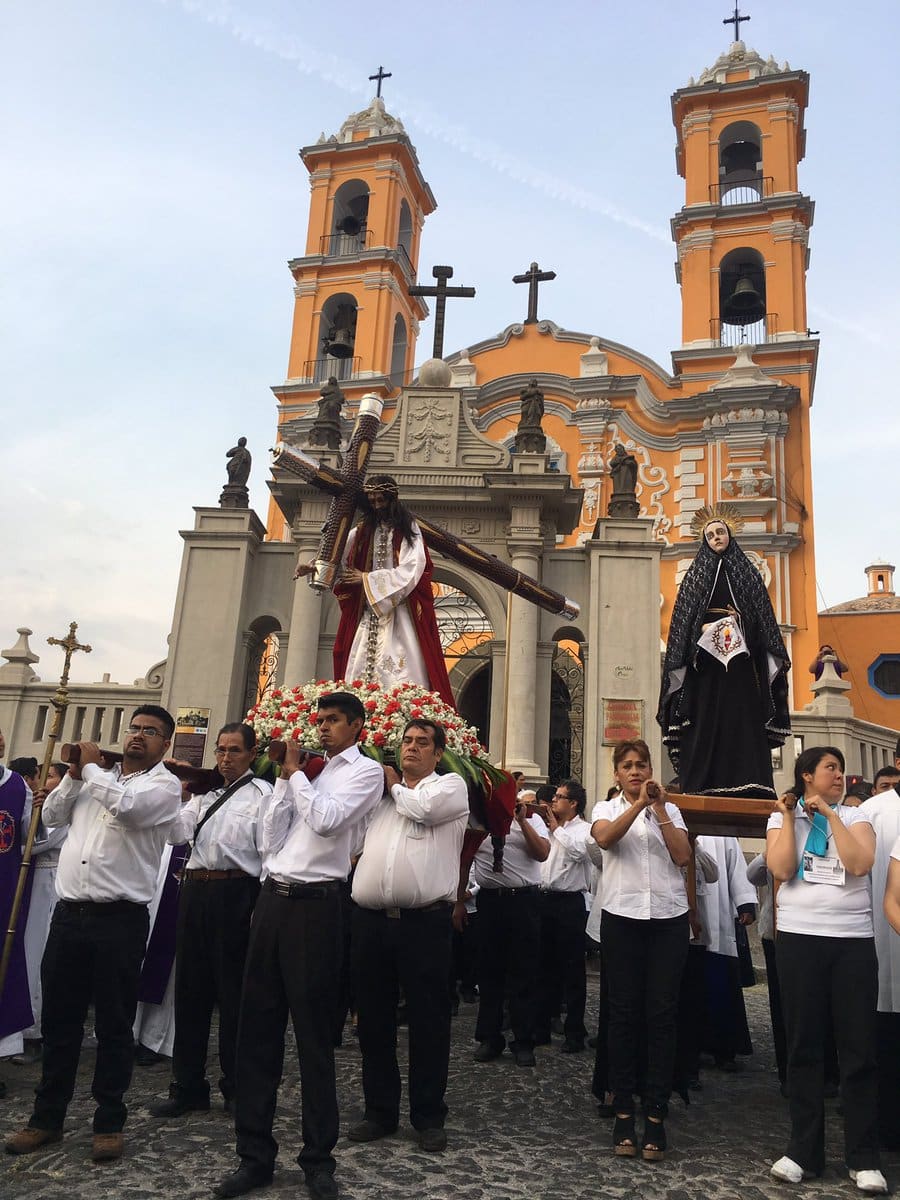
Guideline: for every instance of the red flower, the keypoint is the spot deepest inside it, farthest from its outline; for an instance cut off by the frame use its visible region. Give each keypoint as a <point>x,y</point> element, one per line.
<point>416,713</point>
<point>379,739</point>
<point>373,687</point>
<point>296,735</point>
<point>392,707</point>
<point>277,694</point>
<point>370,705</point>
<point>277,731</point>
<point>356,683</point>
<point>313,718</point>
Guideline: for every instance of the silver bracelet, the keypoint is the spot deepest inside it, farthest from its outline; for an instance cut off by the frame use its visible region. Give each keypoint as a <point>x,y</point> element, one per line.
<point>669,822</point>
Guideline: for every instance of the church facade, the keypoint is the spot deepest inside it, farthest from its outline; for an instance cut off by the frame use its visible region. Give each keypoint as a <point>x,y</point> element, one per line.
<point>727,420</point>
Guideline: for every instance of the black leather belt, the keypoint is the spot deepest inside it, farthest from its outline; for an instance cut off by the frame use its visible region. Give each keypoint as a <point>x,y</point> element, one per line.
<point>505,891</point>
<point>560,892</point>
<point>202,875</point>
<point>302,891</point>
<point>89,907</point>
<point>396,914</point>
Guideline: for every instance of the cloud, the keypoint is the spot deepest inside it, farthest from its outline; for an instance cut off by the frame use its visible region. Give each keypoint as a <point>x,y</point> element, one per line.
<point>262,35</point>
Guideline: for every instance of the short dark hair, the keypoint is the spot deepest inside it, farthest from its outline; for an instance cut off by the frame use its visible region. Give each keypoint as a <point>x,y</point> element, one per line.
<point>24,766</point>
<point>577,794</point>
<point>622,748</point>
<point>886,772</point>
<point>545,793</point>
<point>159,713</point>
<point>862,790</point>
<point>808,761</point>
<point>351,706</point>
<point>438,732</point>
<point>247,732</point>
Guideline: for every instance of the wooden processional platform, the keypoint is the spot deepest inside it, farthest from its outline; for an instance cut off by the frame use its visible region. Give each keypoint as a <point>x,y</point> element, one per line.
<point>724,816</point>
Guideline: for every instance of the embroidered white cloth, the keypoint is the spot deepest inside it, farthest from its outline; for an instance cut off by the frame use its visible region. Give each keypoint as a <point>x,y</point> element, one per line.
<point>724,640</point>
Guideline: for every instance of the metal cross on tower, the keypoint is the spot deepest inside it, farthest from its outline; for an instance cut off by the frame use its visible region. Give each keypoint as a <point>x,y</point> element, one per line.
<point>440,292</point>
<point>381,74</point>
<point>533,276</point>
<point>736,22</point>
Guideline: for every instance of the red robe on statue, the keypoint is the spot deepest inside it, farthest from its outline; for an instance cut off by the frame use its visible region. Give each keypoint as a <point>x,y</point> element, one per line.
<point>419,603</point>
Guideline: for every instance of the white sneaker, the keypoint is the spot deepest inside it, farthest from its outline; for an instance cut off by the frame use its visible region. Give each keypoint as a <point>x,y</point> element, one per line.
<point>789,1171</point>
<point>869,1181</point>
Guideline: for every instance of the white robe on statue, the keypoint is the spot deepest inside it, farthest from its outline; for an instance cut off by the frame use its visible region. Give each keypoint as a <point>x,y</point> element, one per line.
<point>396,655</point>
<point>717,903</point>
<point>883,811</point>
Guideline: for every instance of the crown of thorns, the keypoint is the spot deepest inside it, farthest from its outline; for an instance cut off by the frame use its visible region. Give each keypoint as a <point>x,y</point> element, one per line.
<point>381,483</point>
<point>726,513</point>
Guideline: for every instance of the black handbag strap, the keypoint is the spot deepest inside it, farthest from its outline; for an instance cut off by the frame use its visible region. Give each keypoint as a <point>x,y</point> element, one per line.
<point>217,804</point>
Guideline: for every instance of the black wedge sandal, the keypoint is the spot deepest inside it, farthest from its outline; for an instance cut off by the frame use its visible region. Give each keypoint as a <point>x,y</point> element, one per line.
<point>655,1145</point>
<point>624,1135</point>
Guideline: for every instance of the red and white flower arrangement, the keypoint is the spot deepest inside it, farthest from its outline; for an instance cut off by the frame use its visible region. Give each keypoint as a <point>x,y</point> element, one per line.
<point>290,713</point>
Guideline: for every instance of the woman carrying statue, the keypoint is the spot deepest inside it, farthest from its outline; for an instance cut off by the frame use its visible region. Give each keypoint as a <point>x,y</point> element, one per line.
<point>723,702</point>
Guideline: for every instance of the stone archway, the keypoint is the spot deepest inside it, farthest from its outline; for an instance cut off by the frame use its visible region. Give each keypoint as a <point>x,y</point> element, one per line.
<point>565,755</point>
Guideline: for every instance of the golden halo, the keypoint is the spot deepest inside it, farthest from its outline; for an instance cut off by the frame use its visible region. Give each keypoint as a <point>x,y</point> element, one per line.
<point>726,513</point>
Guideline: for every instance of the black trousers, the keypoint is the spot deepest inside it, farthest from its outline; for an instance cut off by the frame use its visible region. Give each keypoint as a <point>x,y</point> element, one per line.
<point>411,951</point>
<point>93,956</point>
<point>563,918</point>
<point>293,967</point>
<point>815,973</point>
<point>691,1018</point>
<point>887,1026</point>
<point>600,1080</point>
<point>211,946</point>
<point>645,961</point>
<point>509,946</point>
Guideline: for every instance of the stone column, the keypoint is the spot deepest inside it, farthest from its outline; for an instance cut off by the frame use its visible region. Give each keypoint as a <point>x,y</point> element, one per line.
<point>525,552</point>
<point>303,643</point>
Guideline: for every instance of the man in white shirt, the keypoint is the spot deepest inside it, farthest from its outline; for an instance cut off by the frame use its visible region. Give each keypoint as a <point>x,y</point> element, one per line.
<point>404,887</point>
<point>293,965</point>
<point>219,888</point>
<point>510,930</point>
<point>118,821</point>
<point>565,879</point>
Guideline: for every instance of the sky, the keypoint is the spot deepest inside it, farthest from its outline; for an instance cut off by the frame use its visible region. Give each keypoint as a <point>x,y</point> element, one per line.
<point>153,196</point>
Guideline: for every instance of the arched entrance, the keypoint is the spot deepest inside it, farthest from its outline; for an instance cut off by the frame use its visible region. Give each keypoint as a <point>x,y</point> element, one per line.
<point>565,757</point>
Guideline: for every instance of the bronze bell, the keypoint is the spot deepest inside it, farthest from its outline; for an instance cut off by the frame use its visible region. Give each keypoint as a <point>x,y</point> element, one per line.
<point>339,343</point>
<point>350,225</point>
<point>744,305</point>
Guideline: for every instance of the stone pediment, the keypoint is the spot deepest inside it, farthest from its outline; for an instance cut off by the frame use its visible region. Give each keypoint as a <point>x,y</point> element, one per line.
<point>432,429</point>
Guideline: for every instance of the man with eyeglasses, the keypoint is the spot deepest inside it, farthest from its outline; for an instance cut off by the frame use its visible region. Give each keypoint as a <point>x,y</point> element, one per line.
<point>219,889</point>
<point>565,880</point>
<point>118,822</point>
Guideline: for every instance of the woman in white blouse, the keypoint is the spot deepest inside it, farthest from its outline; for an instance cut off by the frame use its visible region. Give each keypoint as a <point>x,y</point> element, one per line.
<point>644,927</point>
<point>821,852</point>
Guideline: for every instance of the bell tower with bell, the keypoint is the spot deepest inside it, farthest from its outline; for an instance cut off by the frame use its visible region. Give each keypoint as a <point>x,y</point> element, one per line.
<point>742,234</point>
<point>354,318</point>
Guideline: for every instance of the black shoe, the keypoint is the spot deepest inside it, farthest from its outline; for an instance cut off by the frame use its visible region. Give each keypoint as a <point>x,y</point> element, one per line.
<point>525,1057</point>
<point>434,1140</point>
<point>488,1051</point>
<point>247,1177</point>
<point>572,1046</point>
<point>557,1027</point>
<point>542,1039</point>
<point>177,1106</point>
<point>369,1131</point>
<point>322,1185</point>
<point>145,1057</point>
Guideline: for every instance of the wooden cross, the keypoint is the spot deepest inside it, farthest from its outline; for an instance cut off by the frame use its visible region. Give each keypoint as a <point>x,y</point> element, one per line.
<point>440,292</point>
<point>70,644</point>
<point>381,74</point>
<point>346,489</point>
<point>736,22</point>
<point>533,276</point>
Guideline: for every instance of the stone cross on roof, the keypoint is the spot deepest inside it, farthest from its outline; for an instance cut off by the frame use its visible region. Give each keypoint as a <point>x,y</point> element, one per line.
<point>736,22</point>
<point>381,74</point>
<point>533,276</point>
<point>440,291</point>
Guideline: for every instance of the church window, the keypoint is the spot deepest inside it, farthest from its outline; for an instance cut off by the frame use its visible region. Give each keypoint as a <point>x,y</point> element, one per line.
<point>885,674</point>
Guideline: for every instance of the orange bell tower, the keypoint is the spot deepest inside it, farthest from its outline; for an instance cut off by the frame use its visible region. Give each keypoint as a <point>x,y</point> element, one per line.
<point>743,232</point>
<point>354,318</point>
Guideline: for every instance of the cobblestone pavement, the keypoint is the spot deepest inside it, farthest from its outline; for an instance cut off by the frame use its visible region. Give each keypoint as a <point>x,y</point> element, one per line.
<point>514,1135</point>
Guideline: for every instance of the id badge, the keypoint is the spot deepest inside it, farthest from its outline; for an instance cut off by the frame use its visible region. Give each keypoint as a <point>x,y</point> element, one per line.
<point>823,870</point>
